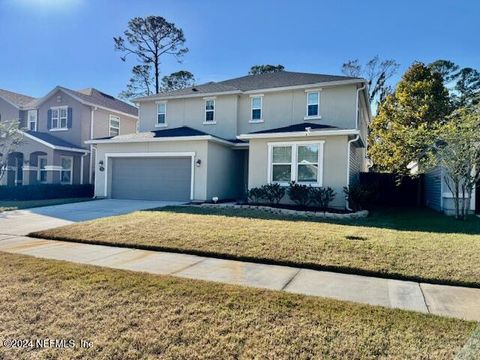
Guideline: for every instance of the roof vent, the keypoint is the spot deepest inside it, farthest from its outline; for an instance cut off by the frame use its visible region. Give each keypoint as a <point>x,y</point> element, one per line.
<point>194,89</point>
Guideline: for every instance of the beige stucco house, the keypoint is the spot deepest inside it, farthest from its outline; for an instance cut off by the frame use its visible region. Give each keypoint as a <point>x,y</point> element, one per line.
<point>55,128</point>
<point>221,138</point>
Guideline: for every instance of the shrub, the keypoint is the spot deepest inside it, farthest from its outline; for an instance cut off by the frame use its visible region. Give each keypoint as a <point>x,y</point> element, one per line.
<point>255,195</point>
<point>300,194</point>
<point>273,193</point>
<point>44,191</point>
<point>358,196</point>
<point>322,197</point>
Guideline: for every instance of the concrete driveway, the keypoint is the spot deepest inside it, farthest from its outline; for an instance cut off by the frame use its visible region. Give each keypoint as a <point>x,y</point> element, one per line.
<point>23,222</point>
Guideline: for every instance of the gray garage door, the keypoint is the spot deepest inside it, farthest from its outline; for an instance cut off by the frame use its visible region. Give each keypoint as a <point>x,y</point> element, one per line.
<point>151,178</point>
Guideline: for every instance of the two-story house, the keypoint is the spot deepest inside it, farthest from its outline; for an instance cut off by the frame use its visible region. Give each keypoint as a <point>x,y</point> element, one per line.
<point>55,128</point>
<point>221,138</point>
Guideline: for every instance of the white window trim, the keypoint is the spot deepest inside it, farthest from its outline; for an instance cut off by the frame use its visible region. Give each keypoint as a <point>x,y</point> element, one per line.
<point>71,170</point>
<point>39,168</point>
<point>165,124</point>
<point>58,127</point>
<point>36,119</point>
<point>313,117</point>
<point>252,120</point>
<point>214,121</point>
<point>110,126</point>
<point>294,163</point>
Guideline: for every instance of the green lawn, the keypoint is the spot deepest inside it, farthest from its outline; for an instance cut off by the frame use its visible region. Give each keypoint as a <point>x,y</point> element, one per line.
<point>26,204</point>
<point>410,244</point>
<point>139,316</point>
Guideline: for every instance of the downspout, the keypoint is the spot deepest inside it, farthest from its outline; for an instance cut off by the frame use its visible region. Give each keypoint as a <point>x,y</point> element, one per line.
<point>90,170</point>
<point>350,142</point>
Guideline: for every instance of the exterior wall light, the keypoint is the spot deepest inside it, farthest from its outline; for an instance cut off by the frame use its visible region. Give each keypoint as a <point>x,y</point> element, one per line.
<point>198,163</point>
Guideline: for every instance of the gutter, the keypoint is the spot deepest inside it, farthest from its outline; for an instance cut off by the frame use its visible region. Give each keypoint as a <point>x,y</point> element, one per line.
<point>164,139</point>
<point>299,134</point>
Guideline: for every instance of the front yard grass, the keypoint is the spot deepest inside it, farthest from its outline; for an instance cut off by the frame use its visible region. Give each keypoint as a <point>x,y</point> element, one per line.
<point>27,204</point>
<point>131,315</point>
<point>413,244</point>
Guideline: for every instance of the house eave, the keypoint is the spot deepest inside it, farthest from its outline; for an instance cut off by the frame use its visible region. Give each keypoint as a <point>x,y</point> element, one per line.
<point>299,134</point>
<point>162,139</point>
<point>54,147</point>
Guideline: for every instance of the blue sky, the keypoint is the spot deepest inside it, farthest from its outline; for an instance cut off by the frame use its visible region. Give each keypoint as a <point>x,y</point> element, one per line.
<point>44,43</point>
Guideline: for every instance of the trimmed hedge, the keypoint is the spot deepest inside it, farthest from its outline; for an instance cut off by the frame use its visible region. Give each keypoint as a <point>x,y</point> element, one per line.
<point>45,191</point>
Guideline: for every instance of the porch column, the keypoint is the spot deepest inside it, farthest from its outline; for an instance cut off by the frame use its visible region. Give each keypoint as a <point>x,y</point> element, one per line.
<point>29,174</point>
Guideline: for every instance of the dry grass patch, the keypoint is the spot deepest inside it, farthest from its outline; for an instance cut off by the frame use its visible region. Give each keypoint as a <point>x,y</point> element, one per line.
<point>417,244</point>
<point>130,316</point>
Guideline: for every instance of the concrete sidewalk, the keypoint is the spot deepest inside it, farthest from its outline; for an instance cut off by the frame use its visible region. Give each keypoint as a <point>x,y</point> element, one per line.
<point>427,298</point>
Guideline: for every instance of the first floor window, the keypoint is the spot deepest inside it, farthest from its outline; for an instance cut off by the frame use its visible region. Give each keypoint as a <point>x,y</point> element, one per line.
<point>42,172</point>
<point>299,162</point>
<point>209,110</point>
<point>161,114</point>
<point>256,108</point>
<point>32,120</point>
<point>312,103</point>
<point>66,172</point>
<point>307,163</point>
<point>114,125</point>
<point>281,163</point>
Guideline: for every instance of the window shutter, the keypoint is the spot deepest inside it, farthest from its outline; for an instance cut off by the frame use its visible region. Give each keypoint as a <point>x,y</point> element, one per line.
<point>49,119</point>
<point>69,117</point>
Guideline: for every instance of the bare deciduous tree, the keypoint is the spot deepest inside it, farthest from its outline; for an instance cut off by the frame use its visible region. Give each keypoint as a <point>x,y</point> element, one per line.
<point>377,73</point>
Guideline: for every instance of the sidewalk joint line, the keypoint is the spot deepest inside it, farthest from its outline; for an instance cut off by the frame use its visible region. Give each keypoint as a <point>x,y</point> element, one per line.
<point>291,279</point>
<point>107,256</point>
<point>424,298</point>
<point>187,267</point>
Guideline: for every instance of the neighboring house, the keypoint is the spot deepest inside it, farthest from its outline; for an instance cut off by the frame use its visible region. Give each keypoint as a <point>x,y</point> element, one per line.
<point>55,129</point>
<point>439,197</point>
<point>221,138</point>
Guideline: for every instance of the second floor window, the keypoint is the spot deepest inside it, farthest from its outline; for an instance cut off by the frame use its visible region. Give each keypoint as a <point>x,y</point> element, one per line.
<point>210,111</point>
<point>161,114</point>
<point>114,129</point>
<point>59,118</point>
<point>313,104</point>
<point>256,108</point>
<point>32,120</point>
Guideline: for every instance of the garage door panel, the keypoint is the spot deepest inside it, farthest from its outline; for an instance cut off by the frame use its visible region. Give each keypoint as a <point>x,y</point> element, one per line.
<point>151,178</point>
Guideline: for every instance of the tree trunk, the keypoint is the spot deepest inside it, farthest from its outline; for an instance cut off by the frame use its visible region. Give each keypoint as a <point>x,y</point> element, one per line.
<point>157,75</point>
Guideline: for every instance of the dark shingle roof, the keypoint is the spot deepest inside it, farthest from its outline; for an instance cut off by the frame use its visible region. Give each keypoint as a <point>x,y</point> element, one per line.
<point>15,98</point>
<point>255,82</point>
<point>296,127</point>
<point>53,140</point>
<point>99,98</point>
<point>183,131</point>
